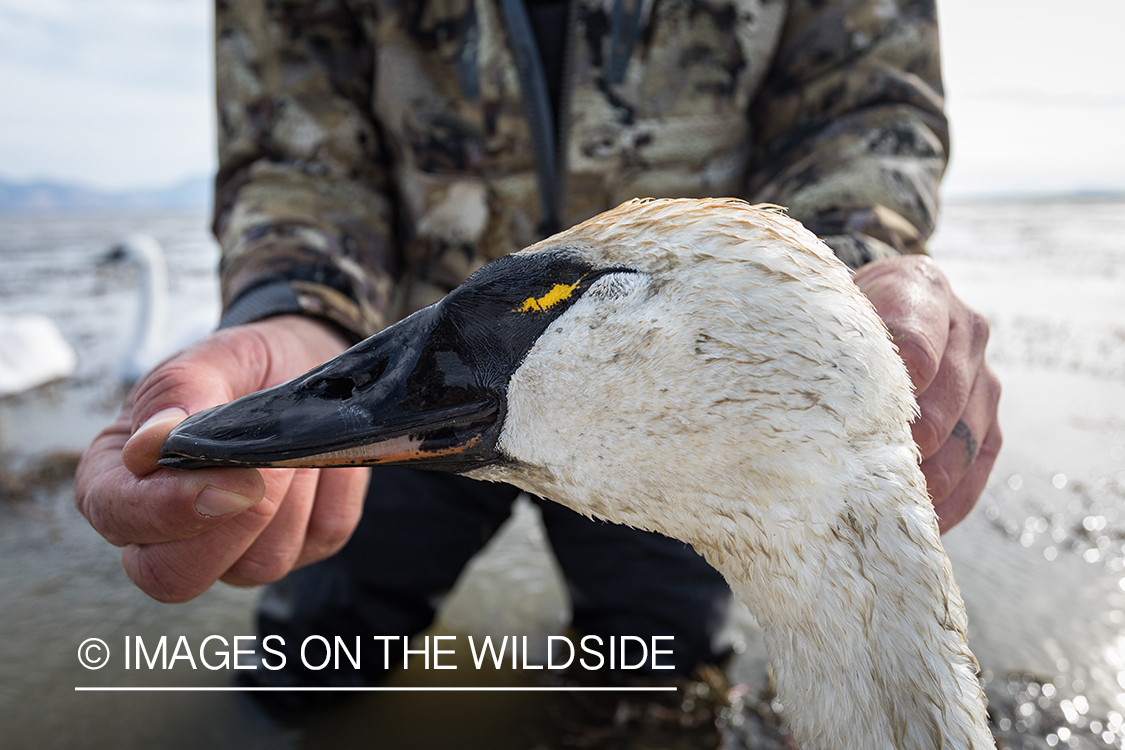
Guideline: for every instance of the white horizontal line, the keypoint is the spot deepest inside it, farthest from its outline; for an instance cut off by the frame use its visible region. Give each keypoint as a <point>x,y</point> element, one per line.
<point>435,689</point>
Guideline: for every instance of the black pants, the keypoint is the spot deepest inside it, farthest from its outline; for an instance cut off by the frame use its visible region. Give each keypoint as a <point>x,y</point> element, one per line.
<point>418,531</point>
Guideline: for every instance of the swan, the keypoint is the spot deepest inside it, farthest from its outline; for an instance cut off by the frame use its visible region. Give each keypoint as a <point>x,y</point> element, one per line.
<point>153,340</point>
<point>32,352</point>
<point>702,368</point>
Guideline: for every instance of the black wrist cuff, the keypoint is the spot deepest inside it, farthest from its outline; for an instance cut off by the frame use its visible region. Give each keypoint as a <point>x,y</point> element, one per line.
<point>261,302</point>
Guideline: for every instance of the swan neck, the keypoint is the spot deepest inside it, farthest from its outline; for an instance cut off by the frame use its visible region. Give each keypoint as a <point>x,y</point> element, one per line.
<point>152,313</point>
<point>866,629</point>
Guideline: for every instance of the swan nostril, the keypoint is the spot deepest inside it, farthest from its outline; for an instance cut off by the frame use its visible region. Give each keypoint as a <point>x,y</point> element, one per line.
<point>342,387</point>
<point>334,388</point>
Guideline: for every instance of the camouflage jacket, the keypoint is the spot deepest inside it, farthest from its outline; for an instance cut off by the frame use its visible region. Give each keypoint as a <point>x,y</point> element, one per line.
<point>373,153</point>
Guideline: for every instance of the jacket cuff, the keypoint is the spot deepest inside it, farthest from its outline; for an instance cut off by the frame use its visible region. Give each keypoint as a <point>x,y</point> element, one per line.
<point>260,302</point>
<point>286,297</point>
<point>864,235</point>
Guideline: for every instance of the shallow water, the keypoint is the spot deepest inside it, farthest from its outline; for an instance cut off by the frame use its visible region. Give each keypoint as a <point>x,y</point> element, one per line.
<point>1041,562</point>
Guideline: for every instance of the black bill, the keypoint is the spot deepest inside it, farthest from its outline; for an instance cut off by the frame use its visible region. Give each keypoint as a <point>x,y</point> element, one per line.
<point>430,389</point>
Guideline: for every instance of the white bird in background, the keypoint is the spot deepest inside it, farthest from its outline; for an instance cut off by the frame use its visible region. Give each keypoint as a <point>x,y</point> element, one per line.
<point>153,340</point>
<point>705,369</point>
<point>32,352</point>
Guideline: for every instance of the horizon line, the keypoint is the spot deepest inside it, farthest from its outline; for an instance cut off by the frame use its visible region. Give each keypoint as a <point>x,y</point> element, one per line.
<point>958,194</point>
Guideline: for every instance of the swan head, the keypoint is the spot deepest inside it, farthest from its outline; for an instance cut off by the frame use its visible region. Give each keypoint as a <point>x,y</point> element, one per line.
<point>666,349</point>
<point>702,368</point>
<point>135,248</point>
<point>149,344</point>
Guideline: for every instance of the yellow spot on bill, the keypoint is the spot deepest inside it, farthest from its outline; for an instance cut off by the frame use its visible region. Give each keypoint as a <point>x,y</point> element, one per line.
<point>557,294</point>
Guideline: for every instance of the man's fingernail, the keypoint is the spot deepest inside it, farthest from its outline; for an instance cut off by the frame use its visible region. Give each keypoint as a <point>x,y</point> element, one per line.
<point>214,502</point>
<point>171,414</point>
<point>162,420</point>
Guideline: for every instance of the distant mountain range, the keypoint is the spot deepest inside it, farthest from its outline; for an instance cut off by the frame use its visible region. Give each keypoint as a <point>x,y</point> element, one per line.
<point>191,194</point>
<point>195,194</point>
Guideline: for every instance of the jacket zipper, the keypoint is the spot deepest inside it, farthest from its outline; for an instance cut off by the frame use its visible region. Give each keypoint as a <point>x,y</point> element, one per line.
<point>537,109</point>
<point>562,140</point>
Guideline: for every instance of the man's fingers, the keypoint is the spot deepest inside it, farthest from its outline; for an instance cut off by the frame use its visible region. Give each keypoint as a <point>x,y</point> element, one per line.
<point>276,549</point>
<point>953,509</point>
<point>340,496</point>
<point>184,529</point>
<point>320,511</point>
<point>948,467</point>
<point>164,504</point>
<point>912,297</point>
<point>232,363</point>
<point>942,343</point>
<point>218,369</point>
<point>316,516</point>
<point>120,489</point>
<point>181,570</point>
<point>945,400</point>
<point>142,450</point>
<point>165,507</point>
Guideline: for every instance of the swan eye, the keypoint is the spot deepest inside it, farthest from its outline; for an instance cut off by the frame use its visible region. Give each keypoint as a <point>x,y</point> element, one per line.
<point>617,285</point>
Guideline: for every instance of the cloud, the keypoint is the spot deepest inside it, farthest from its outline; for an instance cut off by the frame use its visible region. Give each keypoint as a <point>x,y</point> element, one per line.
<point>1035,95</point>
<point>1018,145</point>
<point>113,94</point>
<point>154,43</point>
<point>118,93</point>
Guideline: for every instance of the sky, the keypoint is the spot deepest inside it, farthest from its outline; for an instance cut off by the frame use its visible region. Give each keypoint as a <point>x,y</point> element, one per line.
<point>117,94</point>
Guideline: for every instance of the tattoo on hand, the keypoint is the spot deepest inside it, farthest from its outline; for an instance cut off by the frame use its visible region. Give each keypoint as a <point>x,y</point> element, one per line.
<point>961,430</point>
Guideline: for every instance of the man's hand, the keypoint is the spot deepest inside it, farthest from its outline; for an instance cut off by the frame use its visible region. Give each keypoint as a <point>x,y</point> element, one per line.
<point>942,342</point>
<point>183,530</point>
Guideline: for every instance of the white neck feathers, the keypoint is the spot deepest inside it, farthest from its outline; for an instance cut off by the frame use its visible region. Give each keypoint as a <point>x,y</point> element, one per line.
<point>151,325</point>
<point>740,394</point>
<point>866,627</point>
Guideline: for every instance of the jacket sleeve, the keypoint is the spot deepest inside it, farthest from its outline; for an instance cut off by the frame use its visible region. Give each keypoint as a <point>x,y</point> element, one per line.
<point>850,133</point>
<point>302,207</point>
